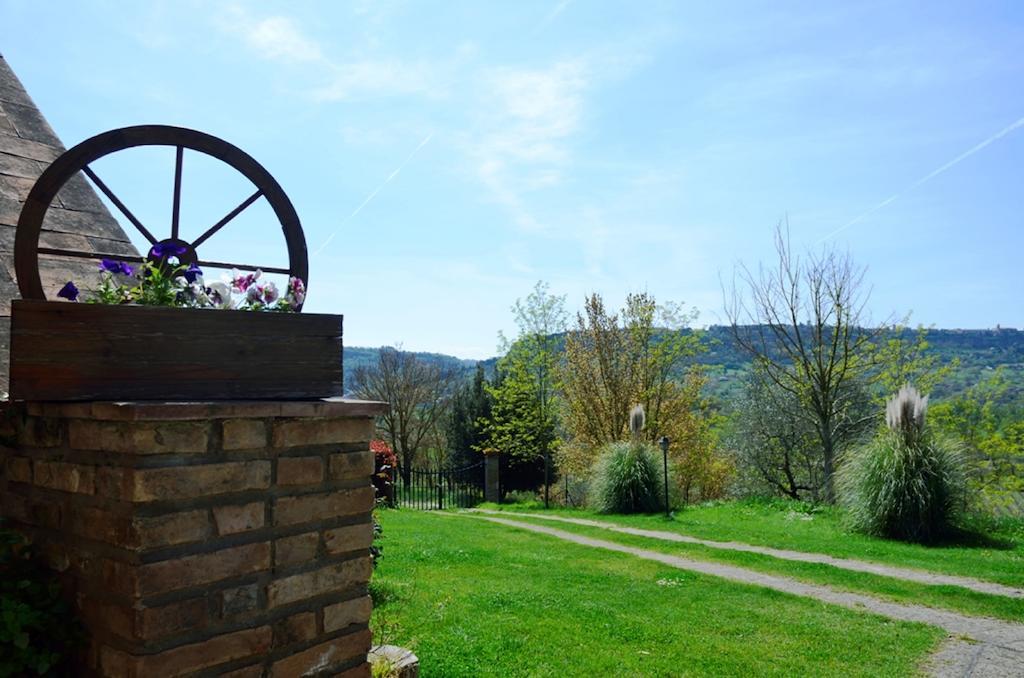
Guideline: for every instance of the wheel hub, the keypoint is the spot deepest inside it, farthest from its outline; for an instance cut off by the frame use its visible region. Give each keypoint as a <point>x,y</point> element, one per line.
<point>172,252</point>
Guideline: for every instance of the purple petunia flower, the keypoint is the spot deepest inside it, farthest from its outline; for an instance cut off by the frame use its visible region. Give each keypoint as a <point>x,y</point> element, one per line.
<point>118,267</point>
<point>192,273</point>
<point>163,250</point>
<point>69,292</point>
<point>242,282</point>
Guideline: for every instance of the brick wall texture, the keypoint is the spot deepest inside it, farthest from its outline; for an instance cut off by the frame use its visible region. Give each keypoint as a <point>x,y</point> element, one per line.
<point>217,546</point>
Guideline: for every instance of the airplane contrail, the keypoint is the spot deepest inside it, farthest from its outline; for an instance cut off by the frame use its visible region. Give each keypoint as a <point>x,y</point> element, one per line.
<point>551,16</point>
<point>928,177</point>
<point>374,193</point>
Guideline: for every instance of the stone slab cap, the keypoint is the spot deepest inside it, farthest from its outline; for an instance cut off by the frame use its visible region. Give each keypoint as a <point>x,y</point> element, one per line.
<point>403,663</point>
<point>226,409</point>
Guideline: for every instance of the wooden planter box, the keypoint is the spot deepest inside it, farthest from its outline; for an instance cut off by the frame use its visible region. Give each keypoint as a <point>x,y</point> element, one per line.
<point>74,351</point>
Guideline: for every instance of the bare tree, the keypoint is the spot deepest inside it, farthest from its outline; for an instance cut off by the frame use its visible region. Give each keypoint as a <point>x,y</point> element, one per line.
<point>803,322</point>
<point>418,392</point>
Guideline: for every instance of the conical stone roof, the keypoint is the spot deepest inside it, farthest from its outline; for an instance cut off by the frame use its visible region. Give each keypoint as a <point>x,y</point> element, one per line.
<point>77,219</point>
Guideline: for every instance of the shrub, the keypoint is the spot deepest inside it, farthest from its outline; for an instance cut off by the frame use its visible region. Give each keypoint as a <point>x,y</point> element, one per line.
<point>384,462</point>
<point>37,632</point>
<point>907,483</point>
<point>567,491</point>
<point>522,497</point>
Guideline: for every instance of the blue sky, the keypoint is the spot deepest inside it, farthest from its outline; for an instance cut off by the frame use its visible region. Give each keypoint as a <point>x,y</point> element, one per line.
<point>458,152</point>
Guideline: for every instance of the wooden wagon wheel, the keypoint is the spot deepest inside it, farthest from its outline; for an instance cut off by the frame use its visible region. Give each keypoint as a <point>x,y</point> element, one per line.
<point>77,159</point>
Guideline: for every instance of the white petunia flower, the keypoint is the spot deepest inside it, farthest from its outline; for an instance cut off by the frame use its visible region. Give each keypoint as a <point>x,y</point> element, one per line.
<point>220,295</point>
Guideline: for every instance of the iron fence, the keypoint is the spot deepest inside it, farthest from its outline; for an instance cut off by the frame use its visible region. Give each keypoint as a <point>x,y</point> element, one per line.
<point>440,488</point>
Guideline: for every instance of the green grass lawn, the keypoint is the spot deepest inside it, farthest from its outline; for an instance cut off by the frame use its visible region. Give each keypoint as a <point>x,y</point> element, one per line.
<point>948,597</point>
<point>472,598</point>
<point>994,551</point>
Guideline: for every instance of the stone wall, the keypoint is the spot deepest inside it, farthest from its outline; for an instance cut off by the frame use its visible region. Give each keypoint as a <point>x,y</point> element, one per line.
<point>227,538</point>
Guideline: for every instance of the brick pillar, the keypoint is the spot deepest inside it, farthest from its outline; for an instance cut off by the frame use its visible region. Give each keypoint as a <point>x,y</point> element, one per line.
<point>492,478</point>
<point>228,538</point>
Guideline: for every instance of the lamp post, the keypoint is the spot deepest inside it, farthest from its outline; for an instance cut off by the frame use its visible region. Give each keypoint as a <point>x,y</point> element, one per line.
<point>547,475</point>
<point>664,453</point>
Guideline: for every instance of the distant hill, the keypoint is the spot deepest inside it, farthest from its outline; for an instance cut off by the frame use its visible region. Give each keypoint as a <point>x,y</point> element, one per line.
<point>354,356</point>
<point>979,351</point>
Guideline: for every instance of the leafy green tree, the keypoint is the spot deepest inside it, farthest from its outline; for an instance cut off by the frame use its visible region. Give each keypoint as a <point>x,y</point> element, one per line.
<point>993,434</point>
<point>644,355</point>
<point>530,367</point>
<point>518,427</point>
<point>613,361</point>
<point>470,409</point>
<point>902,357</point>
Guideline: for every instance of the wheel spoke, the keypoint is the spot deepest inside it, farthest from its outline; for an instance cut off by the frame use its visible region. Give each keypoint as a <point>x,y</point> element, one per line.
<point>90,255</point>
<point>228,217</point>
<point>244,267</point>
<point>120,205</point>
<point>134,258</point>
<point>176,210</point>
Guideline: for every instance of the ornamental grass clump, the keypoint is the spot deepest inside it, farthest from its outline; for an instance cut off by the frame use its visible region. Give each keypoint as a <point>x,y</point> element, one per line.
<point>626,475</point>
<point>907,483</point>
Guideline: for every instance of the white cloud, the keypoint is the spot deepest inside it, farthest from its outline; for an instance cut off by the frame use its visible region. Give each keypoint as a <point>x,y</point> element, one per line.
<point>361,78</point>
<point>526,119</point>
<point>537,110</point>
<point>276,38</point>
<point>374,11</point>
<point>493,175</point>
<point>281,39</point>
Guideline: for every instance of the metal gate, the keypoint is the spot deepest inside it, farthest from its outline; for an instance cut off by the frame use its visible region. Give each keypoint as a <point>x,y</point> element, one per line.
<point>440,488</point>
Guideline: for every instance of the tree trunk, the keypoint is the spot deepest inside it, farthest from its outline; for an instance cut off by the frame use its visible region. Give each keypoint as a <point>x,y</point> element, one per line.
<point>828,447</point>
